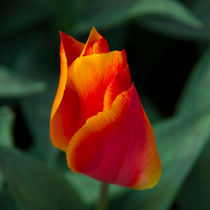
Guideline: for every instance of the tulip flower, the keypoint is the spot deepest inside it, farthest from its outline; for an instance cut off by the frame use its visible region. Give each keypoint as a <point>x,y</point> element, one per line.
<point>97,118</point>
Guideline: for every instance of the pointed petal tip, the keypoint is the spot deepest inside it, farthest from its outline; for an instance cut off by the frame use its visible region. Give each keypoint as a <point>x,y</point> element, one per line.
<point>63,34</point>
<point>150,182</point>
<point>93,29</point>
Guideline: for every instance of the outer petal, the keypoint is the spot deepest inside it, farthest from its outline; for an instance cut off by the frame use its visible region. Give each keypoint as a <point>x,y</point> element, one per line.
<point>66,58</point>
<point>91,75</point>
<point>66,104</point>
<point>95,44</point>
<point>70,47</point>
<point>117,145</point>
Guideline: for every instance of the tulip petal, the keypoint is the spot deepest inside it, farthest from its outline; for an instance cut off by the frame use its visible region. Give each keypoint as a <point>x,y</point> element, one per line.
<point>66,58</point>
<point>65,107</point>
<point>70,48</point>
<point>120,83</point>
<point>117,145</point>
<point>96,44</point>
<point>91,75</point>
<point>63,123</point>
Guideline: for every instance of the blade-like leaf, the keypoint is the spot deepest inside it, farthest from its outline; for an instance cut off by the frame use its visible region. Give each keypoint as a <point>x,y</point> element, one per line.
<point>178,29</point>
<point>6,139</point>
<point>127,10</point>
<point>36,108</point>
<point>196,95</point>
<point>180,141</point>
<point>196,98</point>
<point>196,185</point>
<point>12,85</point>
<point>6,200</point>
<point>34,185</point>
<point>6,123</point>
<point>152,111</point>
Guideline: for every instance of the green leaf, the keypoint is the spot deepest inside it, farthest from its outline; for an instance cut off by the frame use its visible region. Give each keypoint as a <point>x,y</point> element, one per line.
<point>196,185</point>
<point>12,85</point>
<point>196,98</point>
<point>152,111</point>
<point>6,200</point>
<point>180,141</point>
<point>34,185</point>
<point>44,65</point>
<point>178,29</point>
<point>196,94</point>
<point>6,138</point>
<point>128,10</point>
<point>90,188</point>
<point>6,124</point>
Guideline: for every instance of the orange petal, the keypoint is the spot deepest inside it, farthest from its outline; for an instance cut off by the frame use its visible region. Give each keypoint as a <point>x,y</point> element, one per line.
<point>120,83</point>
<point>65,106</point>
<point>70,47</point>
<point>91,75</point>
<point>63,123</point>
<point>66,58</point>
<point>117,145</point>
<point>95,44</point>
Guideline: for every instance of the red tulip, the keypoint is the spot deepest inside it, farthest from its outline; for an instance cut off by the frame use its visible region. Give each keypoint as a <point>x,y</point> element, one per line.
<point>97,117</point>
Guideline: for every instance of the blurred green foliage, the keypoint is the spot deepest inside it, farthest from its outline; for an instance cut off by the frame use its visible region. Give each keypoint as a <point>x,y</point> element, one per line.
<point>167,48</point>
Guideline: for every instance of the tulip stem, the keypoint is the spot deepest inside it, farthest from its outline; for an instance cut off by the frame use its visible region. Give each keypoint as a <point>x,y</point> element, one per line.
<point>103,199</point>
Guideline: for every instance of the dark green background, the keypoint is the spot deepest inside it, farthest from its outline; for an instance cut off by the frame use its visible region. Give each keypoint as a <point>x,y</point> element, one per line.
<point>166,42</point>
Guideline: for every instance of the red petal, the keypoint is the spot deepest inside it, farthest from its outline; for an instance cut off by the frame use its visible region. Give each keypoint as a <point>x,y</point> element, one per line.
<point>70,47</point>
<point>90,76</point>
<point>120,83</point>
<point>66,104</point>
<point>117,145</point>
<point>95,44</point>
<point>63,123</point>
